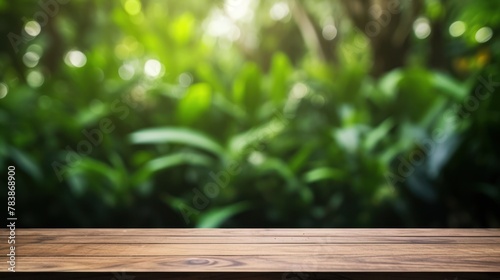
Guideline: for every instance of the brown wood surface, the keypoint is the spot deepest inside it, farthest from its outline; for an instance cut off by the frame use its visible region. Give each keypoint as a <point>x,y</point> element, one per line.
<point>256,250</point>
<point>252,276</point>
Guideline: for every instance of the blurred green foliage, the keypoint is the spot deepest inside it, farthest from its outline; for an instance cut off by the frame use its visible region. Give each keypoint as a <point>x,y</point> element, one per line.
<point>143,108</point>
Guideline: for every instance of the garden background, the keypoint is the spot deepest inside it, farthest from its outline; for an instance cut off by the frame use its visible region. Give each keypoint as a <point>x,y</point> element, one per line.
<point>237,113</point>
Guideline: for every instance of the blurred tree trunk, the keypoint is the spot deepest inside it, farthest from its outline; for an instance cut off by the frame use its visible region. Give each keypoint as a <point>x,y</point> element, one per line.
<point>387,25</point>
<point>311,33</point>
<point>437,56</point>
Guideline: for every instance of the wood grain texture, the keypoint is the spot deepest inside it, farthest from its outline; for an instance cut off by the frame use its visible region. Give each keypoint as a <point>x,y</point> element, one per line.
<point>252,276</point>
<point>151,239</point>
<point>257,250</point>
<point>266,232</point>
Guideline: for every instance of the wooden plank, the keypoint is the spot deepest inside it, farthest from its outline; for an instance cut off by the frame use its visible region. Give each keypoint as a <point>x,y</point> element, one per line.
<point>252,250</point>
<point>151,239</point>
<point>251,276</point>
<point>350,232</point>
<point>273,263</point>
<point>340,250</point>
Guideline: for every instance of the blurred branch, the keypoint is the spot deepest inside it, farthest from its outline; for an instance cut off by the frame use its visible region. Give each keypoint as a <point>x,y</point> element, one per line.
<point>358,12</point>
<point>407,17</point>
<point>390,40</point>
<point>307,29</point>
<point>438,57</point>
<point>55,50</point>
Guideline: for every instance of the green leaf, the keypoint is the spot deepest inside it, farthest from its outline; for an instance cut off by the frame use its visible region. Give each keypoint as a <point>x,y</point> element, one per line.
<point>263,133</point>
<point>416,94</point>
<point>179,136</point>
<point>307,195</point>
<point>207,73</point>
<point>92,114</point>
<point>174,202</point>
<point>26,163</point>
<point>179,158</point>
<point>120,172</point>
<point>182,28</point>
<point>324,173</point>
<point>377,134</point>
<point>280,71</point>
<point>77,184</point>
<point>389,83</point>
<point>118,163</point>
<point>247,88</point>
<point>3,151</point>
<point>348,137</point>
<point>228,107</point>
<point>300,158</point>
<point>170,161</point>
<point>195,103</point>
<point>280,167</point>
<point>216,217</point>
<point>450,86</point>
<point>87,166</point>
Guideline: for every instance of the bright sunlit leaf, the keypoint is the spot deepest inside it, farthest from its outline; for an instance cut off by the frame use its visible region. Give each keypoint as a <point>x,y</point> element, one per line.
<point>195,103</point>
<point>177,135</point>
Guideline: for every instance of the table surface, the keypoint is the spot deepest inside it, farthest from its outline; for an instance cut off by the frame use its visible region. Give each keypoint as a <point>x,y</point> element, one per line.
<point>256,250</point>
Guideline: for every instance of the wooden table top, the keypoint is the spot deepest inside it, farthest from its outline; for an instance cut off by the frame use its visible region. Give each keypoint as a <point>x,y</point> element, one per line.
<point>256,250</point>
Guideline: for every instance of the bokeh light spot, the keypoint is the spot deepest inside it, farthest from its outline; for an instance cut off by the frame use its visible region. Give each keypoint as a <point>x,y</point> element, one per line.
<point>256,158</point>
<point>126,71</point>
<point>133,7</point>
<point>35,79</point>
<point>457,28</point>
<point>299,91</point>
<point>220,25</point>
<point>32,28</point>
<point>484,34</point>
<point>185,79</point>
<point>238,9</point>
<point>279,11</point>
<point>4,89</point>
<point>152,68</point>
<point>318,100</point>
<point>329,32</point>
<point>75,59</point>
<point>36,49</point>
<point>422,28</point>
<point>30,59</point>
